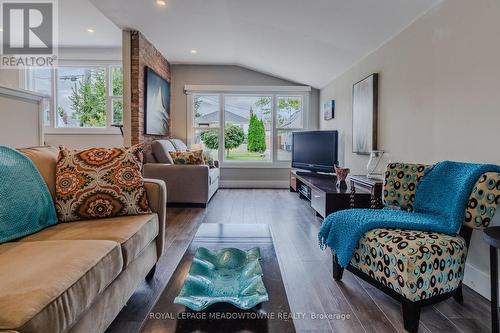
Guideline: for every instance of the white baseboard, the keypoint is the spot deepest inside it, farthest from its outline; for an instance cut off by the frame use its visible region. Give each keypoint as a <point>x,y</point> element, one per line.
<point>254,184</point>
<point>478,280</point>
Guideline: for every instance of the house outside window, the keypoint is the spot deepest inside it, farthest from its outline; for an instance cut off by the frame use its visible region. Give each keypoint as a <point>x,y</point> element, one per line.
<point>241,127</point>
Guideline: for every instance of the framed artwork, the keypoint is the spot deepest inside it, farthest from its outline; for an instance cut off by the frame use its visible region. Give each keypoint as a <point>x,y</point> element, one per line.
<point>329,110</point>
<point>364,115</point>
<point>156,104</point>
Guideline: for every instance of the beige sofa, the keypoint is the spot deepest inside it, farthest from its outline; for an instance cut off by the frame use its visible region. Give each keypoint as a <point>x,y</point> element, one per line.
<point>76,277</point>
<point>186,184</point>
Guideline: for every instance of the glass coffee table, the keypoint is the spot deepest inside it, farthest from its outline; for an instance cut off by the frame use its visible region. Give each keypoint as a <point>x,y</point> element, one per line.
<point>271,316</point>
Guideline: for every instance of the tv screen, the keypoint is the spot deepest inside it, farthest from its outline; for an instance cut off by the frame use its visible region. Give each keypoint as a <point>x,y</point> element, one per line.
<point>315,150</point>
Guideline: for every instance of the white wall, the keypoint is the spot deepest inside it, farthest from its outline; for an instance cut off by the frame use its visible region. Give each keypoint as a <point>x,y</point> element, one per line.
<point>83,141</point>
<point>9,78</point>
<point>438,98</point>
<point>232,75</point>
<point>20,118</point>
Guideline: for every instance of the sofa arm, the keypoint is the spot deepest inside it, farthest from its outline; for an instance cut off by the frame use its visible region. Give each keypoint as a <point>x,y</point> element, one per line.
<point>157,199</point>
<point>185,183</point>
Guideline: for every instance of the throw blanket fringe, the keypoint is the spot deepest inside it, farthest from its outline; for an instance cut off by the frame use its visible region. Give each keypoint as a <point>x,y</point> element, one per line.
<point>440,202</point>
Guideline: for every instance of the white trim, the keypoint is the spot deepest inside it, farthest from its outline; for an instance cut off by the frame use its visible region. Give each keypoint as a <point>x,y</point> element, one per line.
<point>82,131</point>
<point>22,78</point>
<point>189,88</point>
<point>108,90</point>
<point>478,280</point>
<point>22,94</point>
<point>190,130</point>
<point>41,127</point>
<point>222,125</point>
<point>278,184</point>
<point>88,63</point>
<point>255,164</point>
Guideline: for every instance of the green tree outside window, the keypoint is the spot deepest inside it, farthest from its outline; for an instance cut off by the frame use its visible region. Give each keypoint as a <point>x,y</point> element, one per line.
<point>234,136</point>
<point>256,134</point>
<point>88,99</point>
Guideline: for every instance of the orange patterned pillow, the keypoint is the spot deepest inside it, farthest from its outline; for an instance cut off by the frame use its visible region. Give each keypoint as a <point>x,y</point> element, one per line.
<point>188,157</point>
<point>100,182</point>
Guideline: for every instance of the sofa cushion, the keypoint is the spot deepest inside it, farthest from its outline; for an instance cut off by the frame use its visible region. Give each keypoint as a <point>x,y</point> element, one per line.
<point>45,159</point>
<point>50,284</point>
<point>99,183</point>
<point>133,233</point>
<point>149,157</point>
<point>188,157</point>
<point>161,149</point>
<point>213,175</point>
<point>179,145</point>
<point>416,264</point>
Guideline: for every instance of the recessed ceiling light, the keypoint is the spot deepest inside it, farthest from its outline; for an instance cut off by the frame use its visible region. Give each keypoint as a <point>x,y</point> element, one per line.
<point>1,29</point>
<point>194,51</point>
<point>90,30</point>
<point>161,3</point>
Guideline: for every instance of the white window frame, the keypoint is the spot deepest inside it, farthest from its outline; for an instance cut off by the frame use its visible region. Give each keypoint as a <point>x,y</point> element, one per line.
<point>305,105</point>
<point>191,128</point>
<point>267,91</point>
<point>52,128</point>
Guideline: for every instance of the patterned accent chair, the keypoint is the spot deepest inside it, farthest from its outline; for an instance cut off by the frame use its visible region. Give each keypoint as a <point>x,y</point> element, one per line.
<point>420,268</point>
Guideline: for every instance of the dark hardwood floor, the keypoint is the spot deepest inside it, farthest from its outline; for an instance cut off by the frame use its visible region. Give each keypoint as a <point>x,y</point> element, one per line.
<point>306,272</point>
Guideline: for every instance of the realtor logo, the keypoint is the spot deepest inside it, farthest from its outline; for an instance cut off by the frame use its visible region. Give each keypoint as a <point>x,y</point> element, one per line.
<point>28,29</point>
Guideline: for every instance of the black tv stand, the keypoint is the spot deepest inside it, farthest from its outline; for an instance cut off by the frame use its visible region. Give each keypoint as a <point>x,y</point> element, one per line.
<point>315,174</point>
<point>322,192</point>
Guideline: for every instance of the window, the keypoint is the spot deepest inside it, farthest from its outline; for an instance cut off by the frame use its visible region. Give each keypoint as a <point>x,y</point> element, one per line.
<point>255,128</point>
<point>81,97</point>
<point>117,94</point>
<point>289,119</point>
<point>248,128</point>
<point>40,80</point>
<point>206,115</point>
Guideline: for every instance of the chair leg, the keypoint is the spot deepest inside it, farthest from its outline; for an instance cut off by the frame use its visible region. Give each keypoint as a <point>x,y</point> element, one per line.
<point>151,273</point>
<point>411,316</point>
<point>459,295</point>
<point>338,271</point>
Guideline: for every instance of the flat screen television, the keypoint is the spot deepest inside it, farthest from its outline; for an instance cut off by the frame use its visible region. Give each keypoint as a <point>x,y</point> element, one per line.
<point>316,151</point>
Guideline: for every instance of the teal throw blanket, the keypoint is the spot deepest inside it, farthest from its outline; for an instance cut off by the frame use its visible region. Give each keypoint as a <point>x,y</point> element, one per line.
<point>440,202</point>
<point>25,202</point>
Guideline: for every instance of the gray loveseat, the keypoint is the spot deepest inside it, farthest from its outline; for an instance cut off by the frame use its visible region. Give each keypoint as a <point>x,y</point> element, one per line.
<point>186,184</point>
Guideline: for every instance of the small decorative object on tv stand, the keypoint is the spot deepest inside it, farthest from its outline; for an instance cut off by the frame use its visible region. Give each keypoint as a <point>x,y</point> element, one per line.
<point>376,164</point>
<point>341,176</point>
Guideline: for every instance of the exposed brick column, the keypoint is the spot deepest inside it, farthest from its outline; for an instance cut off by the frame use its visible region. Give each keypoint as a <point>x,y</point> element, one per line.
<point>144,54</point>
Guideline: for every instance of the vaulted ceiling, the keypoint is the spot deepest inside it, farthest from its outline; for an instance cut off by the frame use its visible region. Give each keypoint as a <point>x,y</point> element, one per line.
<point>75,19</point>
<point>307,41</point>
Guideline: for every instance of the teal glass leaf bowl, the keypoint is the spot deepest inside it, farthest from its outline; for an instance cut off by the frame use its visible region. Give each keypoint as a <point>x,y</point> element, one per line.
<point>225,276</point>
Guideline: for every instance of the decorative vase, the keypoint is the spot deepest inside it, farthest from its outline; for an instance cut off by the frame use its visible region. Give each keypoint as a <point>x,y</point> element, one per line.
<point>341,177</point>
<point>377,164</point>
